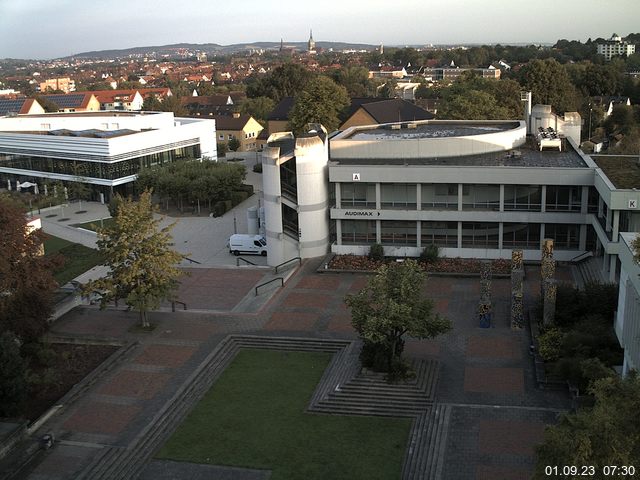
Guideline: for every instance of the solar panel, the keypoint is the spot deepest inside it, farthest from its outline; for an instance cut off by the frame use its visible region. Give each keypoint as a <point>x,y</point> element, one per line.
<point>11,105</point>
<point>70,100</point>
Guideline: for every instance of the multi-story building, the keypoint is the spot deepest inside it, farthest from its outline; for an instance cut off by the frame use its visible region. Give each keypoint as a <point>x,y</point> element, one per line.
<point>615,46</point>
<point>103,149</point>
<point>243,128</point>
<point>66,85</point>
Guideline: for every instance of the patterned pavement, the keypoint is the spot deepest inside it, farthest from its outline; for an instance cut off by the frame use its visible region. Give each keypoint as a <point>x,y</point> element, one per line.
<point>486,375</point>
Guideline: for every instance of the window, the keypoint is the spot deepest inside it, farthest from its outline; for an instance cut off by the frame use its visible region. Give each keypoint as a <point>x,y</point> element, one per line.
<point>523,197</point>
<point>398,232</point>
<point>565,237</point>
<point>481,197</point>
<point>563,199</point>
<point>442,196</point>
<point>221,136</point>
<point>442,234</point>
<point>400,196</point>
<point>480,235</point>
<point>362,195</point>
<point>521,235</point>
<point>358,232</point>
<point>230,137</point>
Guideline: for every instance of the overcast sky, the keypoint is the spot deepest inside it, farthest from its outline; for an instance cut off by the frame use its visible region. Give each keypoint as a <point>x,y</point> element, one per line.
<point>49,29</point>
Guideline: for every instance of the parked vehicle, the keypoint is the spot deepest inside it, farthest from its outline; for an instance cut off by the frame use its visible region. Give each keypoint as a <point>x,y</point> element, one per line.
<point>242,243</point>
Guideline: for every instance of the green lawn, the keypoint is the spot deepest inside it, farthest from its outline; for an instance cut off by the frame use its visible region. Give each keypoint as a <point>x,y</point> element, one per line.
<point>94,225</point>
<point>77,258</point>
<point>254,417</point>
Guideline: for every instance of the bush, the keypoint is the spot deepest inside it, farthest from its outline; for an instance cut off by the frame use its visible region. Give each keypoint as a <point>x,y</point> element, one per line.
<point>219,208</point>
<point>430,254</point>
<point>257,168</point>
<point>245,188</point>
<point>549,344</point>
<point>376,252</point>
<point>13,369</point>
<point>238,197</point>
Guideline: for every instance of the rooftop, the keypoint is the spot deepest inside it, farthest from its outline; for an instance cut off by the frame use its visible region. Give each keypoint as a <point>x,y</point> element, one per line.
<point>623,171</point>
<point>89,133</point>
<point>438,129</point>
<point>527,155</point>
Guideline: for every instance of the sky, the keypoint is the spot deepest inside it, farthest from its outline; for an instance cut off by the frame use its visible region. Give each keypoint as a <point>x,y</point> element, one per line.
<point>44,29</point>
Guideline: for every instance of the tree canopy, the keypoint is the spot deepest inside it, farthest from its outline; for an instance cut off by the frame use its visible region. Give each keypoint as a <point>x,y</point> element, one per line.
<point>321,101</point>
<point>607,434</point>
<point>26,278</point>
<point>287,80</point>
<point>142,265</point>
<point>549,84</point>
<point>391,305</point>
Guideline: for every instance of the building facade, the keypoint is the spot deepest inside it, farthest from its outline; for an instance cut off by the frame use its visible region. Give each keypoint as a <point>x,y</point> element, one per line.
<point>103,149</point>
<point>615,46</point>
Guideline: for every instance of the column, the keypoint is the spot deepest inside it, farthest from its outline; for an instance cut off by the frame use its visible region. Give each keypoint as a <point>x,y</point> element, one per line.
<point>500,233</point>
<point>583,238</point>
<point>418,196</point>
<point>543,203</point>
<point>584,207</point>
<point>378,231</point>
<point>418,233</point>
<point>609,219</point>
<point>613,264</point>
<point>501,205</point>
<point>339,232</point>
<point>378,198</point>
<point>338,195</point>
<point>460,197</point>
<point>616,225</point>
<point>459,234</point>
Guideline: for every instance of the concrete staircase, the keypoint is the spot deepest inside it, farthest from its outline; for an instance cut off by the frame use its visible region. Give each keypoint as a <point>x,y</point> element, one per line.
<point>590,271</point>
<point>343,390</point>
<point>424,459</point>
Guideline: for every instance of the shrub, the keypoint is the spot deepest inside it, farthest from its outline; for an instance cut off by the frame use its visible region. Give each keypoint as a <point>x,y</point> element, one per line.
<point>219,208</point>
<point>376,252</point>
<point>257,168</point>
<point>245,188</point>
<point>549,344</point>
<point>430,254</point>
<point>13,385</point>
<point>238,197</point>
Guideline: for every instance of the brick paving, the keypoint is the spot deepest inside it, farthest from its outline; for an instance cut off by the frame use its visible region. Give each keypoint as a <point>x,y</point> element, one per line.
<point>486,375</point>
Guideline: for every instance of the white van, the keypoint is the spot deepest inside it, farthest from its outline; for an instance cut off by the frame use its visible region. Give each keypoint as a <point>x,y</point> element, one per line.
<point>241,243</point>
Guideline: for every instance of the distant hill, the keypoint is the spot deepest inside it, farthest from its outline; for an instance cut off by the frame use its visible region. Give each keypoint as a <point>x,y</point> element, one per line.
<point>215,48</point>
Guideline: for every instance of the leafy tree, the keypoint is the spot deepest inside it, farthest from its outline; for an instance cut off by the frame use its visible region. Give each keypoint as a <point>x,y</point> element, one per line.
<point>392,305</point>
<point>550,84</point>
<point>321,102</point>
<point>388,90</point>
<point>48,105</point>
<point>259,108</point>
<point>607,434</point>
<point>234,144</point>
<point>287,80</point>
<point>222,148</point>
<point>13,370</point>
<point>356,80</point>
<point>142,265</point>
<point>26,279</point>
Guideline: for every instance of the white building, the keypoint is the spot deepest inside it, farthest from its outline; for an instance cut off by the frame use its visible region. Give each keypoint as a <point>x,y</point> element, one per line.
<point>104,149</point>
<point>614,47</point>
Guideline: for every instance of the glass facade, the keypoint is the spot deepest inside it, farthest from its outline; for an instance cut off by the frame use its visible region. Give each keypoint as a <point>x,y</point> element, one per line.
<point>359,195</point>
<point>480,235</point>
<point>442,234</point>
<point>104,170</point>
<point>523,198</point>
<point>565,237</point>
<point>441,196</point>
<point>357,232</point>
<point>398,195</point>
<point>481,197</point>
<point>563,199</point>
<point>521,235</point>
<point>399,232</point>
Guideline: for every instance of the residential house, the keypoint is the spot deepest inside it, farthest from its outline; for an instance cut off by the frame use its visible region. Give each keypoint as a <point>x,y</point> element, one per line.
<point>119,99</point>
<point>19,106</point>
<point>380,111</point>
<point>244,128</point>
<point>74,102</point>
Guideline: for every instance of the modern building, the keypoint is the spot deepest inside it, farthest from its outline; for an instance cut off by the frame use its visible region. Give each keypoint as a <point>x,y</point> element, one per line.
<point>615,46</point>
<point>65,85</point>
<point>103,149</point>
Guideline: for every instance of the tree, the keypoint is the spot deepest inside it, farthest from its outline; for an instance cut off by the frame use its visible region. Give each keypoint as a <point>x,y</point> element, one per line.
<point>287,80</point>
<point>607,434</point>
<point>356,80</point>
<point>320,102</point>
<point>390,306</point>
<point>13,370</point>
<point>549,84</point>
<point>142,265</point>
<point>259,108</point>
<point>234,144</point>
<point>388,90</point>
<point>26,279</point>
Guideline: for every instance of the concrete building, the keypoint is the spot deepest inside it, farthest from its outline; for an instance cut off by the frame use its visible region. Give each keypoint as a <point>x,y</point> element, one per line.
<point>103,149</point>
<point>615,46</point>
<point>65,85</point>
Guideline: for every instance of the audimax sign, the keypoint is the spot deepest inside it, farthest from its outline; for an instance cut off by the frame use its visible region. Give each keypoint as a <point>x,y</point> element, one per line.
<point>360,213</point>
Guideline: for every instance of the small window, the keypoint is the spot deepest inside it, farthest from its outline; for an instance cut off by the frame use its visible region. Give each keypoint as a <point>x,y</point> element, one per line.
<point>221,137</point>
<point>230,137</point>
<point>256,243</point>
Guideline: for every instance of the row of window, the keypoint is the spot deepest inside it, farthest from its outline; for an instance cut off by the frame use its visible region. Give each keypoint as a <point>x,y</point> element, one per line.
<point>445,234</point>
<point>474,197</point>
<point>109,171</point>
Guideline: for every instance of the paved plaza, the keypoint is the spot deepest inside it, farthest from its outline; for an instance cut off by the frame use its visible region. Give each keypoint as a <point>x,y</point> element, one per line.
<point>486,375</point>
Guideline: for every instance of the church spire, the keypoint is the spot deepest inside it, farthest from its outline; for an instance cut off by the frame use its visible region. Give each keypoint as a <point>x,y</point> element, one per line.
<point>311,45</point>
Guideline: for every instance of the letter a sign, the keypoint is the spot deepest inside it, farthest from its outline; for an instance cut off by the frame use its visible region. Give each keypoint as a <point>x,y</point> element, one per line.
<point>356,177</point>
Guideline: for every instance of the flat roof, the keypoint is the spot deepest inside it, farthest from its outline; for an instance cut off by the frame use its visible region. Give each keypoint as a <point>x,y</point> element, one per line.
<point>97,113</point>
<point>622,170</point>
<point>88,133</point>
<point>432,129</point>
<point>527,155</point>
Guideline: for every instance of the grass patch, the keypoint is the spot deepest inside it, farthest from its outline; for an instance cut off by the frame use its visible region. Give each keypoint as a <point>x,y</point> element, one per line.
<point>254,417</point>
<point>623,172</point>
<point>77,258</point>
<point>94,225</point>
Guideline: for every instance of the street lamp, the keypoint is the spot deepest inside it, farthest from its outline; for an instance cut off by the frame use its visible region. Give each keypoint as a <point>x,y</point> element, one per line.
<point>590,110</point>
